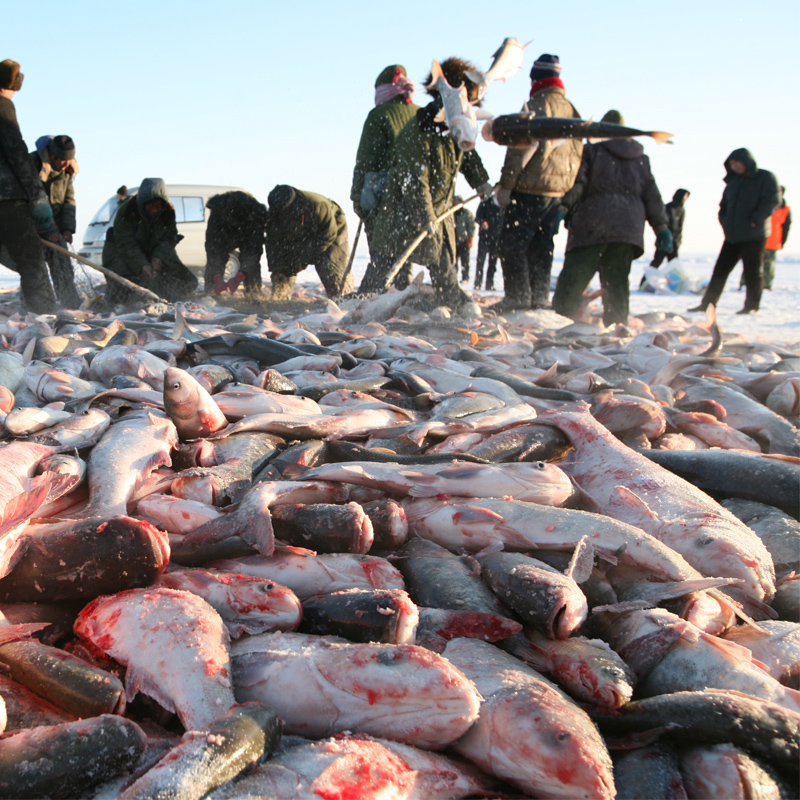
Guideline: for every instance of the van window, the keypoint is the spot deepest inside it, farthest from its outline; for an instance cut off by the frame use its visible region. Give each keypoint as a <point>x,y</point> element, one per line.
<point>188,209</point>
<point>106,212</point>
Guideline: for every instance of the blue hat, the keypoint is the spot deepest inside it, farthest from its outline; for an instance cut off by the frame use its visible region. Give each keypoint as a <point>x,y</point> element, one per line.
<point>546,66</point>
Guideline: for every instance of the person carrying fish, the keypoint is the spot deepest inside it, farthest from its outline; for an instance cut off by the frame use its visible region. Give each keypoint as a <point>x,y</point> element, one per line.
<point>614,194</point>
<point>465,233</point>
<point>489,218</point>
<point>306,228</point>
<point>24,209</point>
<point>750,197</point>
<point>393,109</point>
<point>531,191</point>
<point>54,161</point>
<point>237,222</point>
<point>420,185</point>
<point>141,247</point>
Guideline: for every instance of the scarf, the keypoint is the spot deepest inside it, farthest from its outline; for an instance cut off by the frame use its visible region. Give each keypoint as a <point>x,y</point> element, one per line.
<point>402,86</point>
<point>546,83</point>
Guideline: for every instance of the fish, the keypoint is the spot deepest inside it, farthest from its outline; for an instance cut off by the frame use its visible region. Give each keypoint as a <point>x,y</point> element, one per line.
<point>323,685</point>
<point>190,406</point>
<point>775,645</point>
<point>174,647</point>
<point>324,527</point>
<point>506,60</point>
<point>529,732</point>
<point>25,421</point>
<point>23,708</point>
<point>383,306</point>
<point>129,360</point>
<point>649,771</point>
<point>526,129</point>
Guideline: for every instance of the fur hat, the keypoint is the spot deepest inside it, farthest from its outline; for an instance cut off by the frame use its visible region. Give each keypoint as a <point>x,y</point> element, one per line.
<point>455,70</point>
<point>10,76</point>
<point>62,147</point>
<point>389,74</point>
<point>281,197</point>
<point>546,66</point>
<point>613,116</point>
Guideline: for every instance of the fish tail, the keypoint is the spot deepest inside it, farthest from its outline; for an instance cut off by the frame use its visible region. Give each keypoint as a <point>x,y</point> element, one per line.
<point>661,137</point>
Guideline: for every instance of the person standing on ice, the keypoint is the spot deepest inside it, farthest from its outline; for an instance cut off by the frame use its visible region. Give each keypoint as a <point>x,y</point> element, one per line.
<point>465,233</point>
<point>306,228</point>
<point>750,197</point>
<point>394,91</point>
<point>54,161</point>
<point>420,186</point>
<point>140,246</point>
<point>237,222</point>
<point>490,222</point>
<point>614,194</point>
<point>676,214</point>
<point>24,209</point>
<point>531,193</point>
<point>780,222</point>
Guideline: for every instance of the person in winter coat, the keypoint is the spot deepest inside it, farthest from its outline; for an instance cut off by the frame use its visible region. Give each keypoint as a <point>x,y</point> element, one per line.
<point>140,246</point>
<point>490,222</point>
<point>237,222</point>
<point>306,228</point>
<point>614,195</point>
<point>24,209</point>
<point>394,91</point>
<point>749,199</point>
<point>780,222</point>
<point>676,213</point>
<point>420,186</point>
<point>465,233</point>
<point>54,161</point>
<point>531,193</point>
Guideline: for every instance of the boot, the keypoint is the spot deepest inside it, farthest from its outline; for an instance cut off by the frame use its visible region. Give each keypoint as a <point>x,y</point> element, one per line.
<point>282,288</point>
<point>517,289</point>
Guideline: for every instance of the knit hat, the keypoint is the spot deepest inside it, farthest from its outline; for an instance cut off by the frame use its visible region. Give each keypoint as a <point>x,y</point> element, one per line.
<point>10,76</point>
<point>62,147</point>
<point>281,197</point>
<point>613,116</point>
<point>389,74</point>
<point>546,66</point>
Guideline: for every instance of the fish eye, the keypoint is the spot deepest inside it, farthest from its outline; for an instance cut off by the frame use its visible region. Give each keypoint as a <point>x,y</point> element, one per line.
<point>176,385</point>
<point>540,465</point>
<point>562,737</point>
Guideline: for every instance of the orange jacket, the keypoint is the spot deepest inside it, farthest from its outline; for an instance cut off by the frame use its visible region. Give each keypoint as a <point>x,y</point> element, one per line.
<point>775,240</point>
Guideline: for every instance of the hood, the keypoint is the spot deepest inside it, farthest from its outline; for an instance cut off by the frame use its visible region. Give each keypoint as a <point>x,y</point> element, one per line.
<point>151,189</point>
<point>623,148</point>
<point>746,157</point>
<point>679,195</point>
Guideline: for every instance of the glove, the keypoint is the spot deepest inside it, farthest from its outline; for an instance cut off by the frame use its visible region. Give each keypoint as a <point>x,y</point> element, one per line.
<point>220,285</point>
<point>664,241</point>
<point>148,271</point>
<point>431,228</point>
<point>43,216</point>
<point>485,190</point>
<point>67,236</point>
<point>503,197</point>
<point>235,282</point>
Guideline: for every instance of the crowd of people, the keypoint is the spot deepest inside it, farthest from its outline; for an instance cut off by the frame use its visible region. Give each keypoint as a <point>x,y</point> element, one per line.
<point>403,186</point>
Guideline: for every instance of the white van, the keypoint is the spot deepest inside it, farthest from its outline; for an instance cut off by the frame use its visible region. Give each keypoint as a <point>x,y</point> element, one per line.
<point>191,216</point>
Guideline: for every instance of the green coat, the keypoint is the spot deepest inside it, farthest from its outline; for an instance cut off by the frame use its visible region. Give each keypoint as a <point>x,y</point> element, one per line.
<point>295,242</point>
<point>59,189</point>
<point>134,241</point>
<point>375,150</point>
<point>419,187</point>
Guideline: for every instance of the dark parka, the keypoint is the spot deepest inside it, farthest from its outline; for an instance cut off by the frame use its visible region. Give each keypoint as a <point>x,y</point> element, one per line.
<point>375,150</point>
<point>676,214</point>
<point>748,200</point>
<point>18,179</point>
<point>465,224</point>
<point>59,188</point>
<point>296,239</point>
<point>420,186</point>
<point>237,222</point>
<point>614,194</point>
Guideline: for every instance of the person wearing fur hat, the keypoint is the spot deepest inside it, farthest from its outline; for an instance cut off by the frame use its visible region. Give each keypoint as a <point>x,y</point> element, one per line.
<point>530,189</point>
<point>614,194</point>
<point>305,228</point>
<point>140,246</point>
<point>394,91</point>
<point>420,186</point>
<point>25,212</point>
<point>54,161</point>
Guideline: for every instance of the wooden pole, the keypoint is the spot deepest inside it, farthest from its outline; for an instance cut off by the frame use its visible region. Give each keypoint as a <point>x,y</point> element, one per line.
<point>134,287</point>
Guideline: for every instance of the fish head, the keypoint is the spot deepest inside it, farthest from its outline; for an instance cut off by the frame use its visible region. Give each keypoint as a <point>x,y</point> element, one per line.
<point>459,114</point>
<point>181,393</point>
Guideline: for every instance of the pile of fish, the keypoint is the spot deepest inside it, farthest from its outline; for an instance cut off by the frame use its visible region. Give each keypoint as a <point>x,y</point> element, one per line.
<point>382,552</point>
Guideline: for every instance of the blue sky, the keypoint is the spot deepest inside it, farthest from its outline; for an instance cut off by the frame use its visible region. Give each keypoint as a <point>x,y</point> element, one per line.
<point>252,94</point>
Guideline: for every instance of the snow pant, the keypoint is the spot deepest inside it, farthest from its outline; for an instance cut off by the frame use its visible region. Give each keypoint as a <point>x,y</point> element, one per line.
<point>658,258</point>
<point>613,260</point>
<point>770,257</point>
<point>331,266</point>
<point>380,264</point>
<point>462,257</point>
<point>18,235</point>
<point>526,249</point>
<point>752,256</point>
<point>487,251</point>
<point>174,281</point>
<point>444,277</point>
<point>63,276</point>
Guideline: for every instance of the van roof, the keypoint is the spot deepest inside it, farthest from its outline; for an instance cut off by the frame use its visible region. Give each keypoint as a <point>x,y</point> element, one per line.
<point>203,190</point>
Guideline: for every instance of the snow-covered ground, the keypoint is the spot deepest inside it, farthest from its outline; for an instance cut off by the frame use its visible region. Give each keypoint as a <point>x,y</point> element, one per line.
<point>778,321</point>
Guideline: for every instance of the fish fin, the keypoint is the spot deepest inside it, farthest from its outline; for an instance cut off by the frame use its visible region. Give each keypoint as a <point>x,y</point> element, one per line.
<point>504,337</point>
<point>556,143</point>
<point>475,75</point>
<point>728,648</point>
<point>22,630</point>
<point>529,153</point>
<point>436,73</point>
<point>440,117</point>
<point>622,494</point>
<point>19,508</point>
<point>470,514</point>
<point>460,471</point>
<point>27,353</point>
<point>582,562</point>
<point>661,137</point>
<point>136,682</point>
<point>482,113</point>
